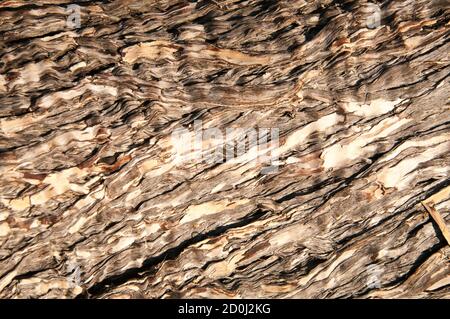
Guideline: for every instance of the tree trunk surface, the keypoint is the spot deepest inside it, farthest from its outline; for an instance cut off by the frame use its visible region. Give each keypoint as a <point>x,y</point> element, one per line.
<point>94,203</point>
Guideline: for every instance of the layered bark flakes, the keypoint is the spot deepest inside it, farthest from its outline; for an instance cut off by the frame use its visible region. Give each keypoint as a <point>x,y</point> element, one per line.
<point>93,205</point>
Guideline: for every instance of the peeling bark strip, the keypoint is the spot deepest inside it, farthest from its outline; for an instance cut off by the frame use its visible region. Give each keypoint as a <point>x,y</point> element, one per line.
<point>439,221</point>
<point>93,203</point>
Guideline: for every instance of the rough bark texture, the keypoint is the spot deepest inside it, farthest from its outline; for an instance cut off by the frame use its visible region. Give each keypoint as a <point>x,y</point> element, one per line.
<point>93,205</point>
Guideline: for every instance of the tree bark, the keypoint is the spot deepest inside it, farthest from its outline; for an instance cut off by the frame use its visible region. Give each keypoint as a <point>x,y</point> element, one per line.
<point>94,204</point>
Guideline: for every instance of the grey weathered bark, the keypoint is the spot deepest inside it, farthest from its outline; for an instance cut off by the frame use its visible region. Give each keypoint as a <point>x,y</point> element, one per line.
<point>94,205</point>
